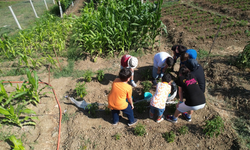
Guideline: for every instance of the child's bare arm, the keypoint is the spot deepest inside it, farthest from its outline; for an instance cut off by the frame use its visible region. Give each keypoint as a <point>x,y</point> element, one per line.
<point>180,94</point>
<point>130,100</point>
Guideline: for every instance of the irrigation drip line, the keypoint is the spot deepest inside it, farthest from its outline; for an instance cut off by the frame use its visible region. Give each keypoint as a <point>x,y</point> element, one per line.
<point>60,111</point>
<point>214,40</point>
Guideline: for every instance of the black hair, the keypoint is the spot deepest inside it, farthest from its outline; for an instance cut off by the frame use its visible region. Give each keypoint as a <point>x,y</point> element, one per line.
<point>124,74</point>
<point>170,61</point>
<point>182,49</point>
<point>184,71</point>
<point>166,78</point>
<point>184,57</point>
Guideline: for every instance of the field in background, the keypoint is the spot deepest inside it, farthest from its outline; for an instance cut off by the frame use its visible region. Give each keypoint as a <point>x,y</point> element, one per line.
<point>23,11</point>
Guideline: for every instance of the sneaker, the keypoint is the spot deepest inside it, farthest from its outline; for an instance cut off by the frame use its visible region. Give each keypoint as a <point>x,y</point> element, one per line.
<point>186,116</point>
<point>133,83</point>
<point>114,124</point>
<point>131,124</point>
<point>170,118</point>
<point>160,120</point>
<point>154,82</point>
<point>151,116</point>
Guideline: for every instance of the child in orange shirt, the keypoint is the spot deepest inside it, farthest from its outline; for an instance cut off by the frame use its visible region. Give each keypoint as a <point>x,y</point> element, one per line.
<point>121,91</point>
<point>158,101</point>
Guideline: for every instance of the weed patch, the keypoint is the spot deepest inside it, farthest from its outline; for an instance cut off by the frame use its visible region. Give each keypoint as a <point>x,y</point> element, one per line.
<point>146,86</point>
<point>214,126</point>
<point>242,126</point>
<point>169,136</point>
<point>117,136</point>
<point>140,130</point>
<point>183,130</point>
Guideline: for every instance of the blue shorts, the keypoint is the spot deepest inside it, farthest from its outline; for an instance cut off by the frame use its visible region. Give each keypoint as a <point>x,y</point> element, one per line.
<point>160,111</point>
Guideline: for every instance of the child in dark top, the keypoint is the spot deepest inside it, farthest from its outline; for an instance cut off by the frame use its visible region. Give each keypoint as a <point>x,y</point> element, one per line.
<point>197,70</point>
<point>178,50</point>
<point>195,98</point>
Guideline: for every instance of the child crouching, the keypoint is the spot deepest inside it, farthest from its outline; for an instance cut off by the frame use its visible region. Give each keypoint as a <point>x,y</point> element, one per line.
<point>158,101</point>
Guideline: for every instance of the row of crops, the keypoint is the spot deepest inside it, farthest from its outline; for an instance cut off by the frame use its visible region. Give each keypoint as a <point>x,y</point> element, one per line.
<point>238,4</point>
<point>205,24</point>
<point>104,28</point>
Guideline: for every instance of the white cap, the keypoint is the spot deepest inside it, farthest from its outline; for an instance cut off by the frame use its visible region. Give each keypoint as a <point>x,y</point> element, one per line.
<point>132,62</point>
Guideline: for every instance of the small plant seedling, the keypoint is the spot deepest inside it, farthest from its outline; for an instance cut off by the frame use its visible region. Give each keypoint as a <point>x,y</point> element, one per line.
<point>81,90</point>
<point>92,108</point>
<point>117,136</point>
<point>140,130</point>
<point>66,117</point>
<point>100,75</point>
<point>169,136</point>
<point>183,130</point>
<point>88,75</point>
<point>214,126</point>
<point>147,85</point>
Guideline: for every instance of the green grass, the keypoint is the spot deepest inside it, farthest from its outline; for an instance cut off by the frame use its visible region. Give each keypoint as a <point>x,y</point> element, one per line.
<point>242,126</point>
<point>23,12</point>
<point>169,3</point>
<point>202,54</point>
<point>66,71</point>
<point>4,4</point>
<point>13,72</point>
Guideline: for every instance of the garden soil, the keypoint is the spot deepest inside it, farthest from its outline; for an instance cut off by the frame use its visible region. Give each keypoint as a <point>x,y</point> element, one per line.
<point>225,85</point>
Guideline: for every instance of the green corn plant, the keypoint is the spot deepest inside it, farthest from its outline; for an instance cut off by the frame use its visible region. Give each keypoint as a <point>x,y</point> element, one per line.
<point>4,96</point>
<point>13,115</point>
<point>101,31</point>
<point>17,143</point>
<point>28,92</point>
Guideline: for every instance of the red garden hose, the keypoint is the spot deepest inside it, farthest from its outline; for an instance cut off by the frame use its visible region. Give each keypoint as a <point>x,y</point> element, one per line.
<point>60,111</point>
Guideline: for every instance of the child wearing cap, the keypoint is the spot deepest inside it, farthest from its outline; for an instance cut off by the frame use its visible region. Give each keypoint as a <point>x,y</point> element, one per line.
<point>162,61</point>
<point>117,97</point>
<point>130,62</point>
<point>158,101</point>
